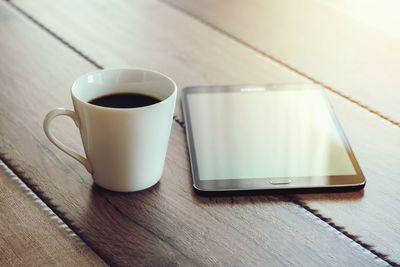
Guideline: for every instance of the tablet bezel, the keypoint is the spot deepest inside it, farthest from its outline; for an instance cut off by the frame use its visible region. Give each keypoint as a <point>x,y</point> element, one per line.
<point>352,182</point>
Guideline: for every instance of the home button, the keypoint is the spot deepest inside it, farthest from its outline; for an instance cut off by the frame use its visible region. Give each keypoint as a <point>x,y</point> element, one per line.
<point>280,181</point>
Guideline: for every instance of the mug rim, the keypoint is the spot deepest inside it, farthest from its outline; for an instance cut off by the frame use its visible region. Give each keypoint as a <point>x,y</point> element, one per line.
<point>123,69</point>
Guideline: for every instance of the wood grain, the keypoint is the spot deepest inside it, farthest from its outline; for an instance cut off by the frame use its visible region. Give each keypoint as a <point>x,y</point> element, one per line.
<point>332,43</point>
<point>165,225</point>
<point>226,65</point>
<point>31,234</point>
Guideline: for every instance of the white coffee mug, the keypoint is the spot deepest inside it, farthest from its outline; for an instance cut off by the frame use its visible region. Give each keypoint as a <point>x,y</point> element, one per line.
<point>125,147</point>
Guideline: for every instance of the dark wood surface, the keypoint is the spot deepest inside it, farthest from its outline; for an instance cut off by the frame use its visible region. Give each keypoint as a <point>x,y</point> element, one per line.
<point>153,227</point>
<point>378,227</point>
<point>31,235</point>
<point>170,224</point>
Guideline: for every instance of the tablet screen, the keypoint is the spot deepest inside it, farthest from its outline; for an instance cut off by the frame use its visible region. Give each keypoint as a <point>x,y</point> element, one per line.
<point>258,133</point>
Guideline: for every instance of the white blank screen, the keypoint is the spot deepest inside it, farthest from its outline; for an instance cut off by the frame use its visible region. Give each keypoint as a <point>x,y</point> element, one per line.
<point>270,134</point>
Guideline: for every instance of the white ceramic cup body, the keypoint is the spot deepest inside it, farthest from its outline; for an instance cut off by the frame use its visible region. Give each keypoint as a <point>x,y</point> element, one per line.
<point>125,147</point>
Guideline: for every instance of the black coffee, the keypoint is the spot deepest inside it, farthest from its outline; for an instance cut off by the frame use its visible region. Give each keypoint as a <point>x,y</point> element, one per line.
<point>124,100</point>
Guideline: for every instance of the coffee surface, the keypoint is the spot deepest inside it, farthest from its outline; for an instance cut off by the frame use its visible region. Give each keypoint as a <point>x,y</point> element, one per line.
<point>124,100</point>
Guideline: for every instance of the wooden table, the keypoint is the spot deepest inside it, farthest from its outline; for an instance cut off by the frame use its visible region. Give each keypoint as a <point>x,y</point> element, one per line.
<point>50,211</point>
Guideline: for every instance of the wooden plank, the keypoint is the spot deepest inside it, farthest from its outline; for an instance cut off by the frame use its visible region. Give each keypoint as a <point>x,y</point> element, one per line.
<point>338,49</point>
<point>226,66</point>
<point>165,225</point>
<point>31,234</point>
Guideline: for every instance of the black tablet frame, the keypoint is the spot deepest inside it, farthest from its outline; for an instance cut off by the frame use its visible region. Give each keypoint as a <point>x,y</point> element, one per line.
<point>342,182</point>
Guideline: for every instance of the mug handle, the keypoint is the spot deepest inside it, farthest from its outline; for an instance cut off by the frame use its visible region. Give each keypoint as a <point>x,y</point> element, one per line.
<point>46,126</point>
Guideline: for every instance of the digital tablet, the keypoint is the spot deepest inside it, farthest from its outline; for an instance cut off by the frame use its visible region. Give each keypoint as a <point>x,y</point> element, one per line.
<point>262,137</point>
